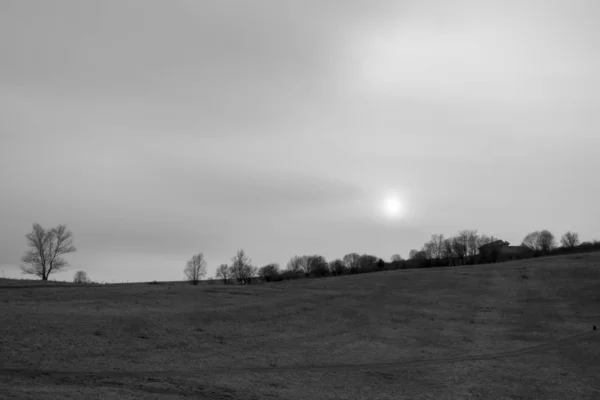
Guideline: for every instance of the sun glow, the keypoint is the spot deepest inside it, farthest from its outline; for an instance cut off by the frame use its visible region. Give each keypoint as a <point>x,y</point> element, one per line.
<point>392,206</point>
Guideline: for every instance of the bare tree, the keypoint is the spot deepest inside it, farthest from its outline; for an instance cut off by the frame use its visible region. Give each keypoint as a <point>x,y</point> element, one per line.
<point>295,264</point>
<point>412,254</point>
<point>352,262</point>
<point>268,272</point>
<point>471,238</point>
<point>547,243</point>
<point>459,248</point>
<point>46,249</point>
<point>542,241</point>
<point>315,265</point>
<point>467,244</point>
<point>532,241</point>
<point>81,277</point>
<point>337,267</point>
<point>250,272</point>
<point>439,238</point>
<point>570,240</point>
<point>241,268</point>
<point>417,255</point>
<point>367,262</point>
<point>396,258</point>
<point>195,268</point>
<point>223,272</point>
<point>429,250</point>
<point>448,251</point>
<point>306,265</point>
<point>311,265</point>
<point>434,248</point>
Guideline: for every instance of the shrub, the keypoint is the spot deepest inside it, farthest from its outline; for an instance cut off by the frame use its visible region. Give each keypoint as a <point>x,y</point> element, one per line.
<point>81,277</point>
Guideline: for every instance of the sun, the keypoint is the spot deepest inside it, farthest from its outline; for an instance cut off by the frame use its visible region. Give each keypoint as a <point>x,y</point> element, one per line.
<point>392,206</point>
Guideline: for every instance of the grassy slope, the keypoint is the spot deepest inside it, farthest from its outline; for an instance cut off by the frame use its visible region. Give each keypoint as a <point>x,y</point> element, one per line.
<point>386,335</point>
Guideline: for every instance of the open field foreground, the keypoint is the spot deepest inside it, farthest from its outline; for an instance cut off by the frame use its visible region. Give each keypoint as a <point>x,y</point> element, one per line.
<point>507,331</point>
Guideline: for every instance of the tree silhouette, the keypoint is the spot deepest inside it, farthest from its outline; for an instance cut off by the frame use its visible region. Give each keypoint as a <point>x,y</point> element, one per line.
<point>81,277</point>
<point>241,267</point>
<point>46,249</point>
<point>195,268</point>
<point>269,272</point>
<point>223,272</point>
<point>570,240</point>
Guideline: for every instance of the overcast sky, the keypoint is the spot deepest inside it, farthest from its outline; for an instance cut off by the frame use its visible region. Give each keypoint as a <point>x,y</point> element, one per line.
<point>159,129</point>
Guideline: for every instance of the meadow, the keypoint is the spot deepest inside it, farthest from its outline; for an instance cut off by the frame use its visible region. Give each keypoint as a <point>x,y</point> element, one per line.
<point>515,330</point>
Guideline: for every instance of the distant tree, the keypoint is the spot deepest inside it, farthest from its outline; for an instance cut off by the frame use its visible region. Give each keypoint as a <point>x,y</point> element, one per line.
<point>288,274</point>
<point>251,272</point>
<point>540,241</point>
<point>460,247</point>
<point>380,264</point>
<point>46,249</point>
<point>241,268</point>
<point>569,240</point>
<point>438,245</point>
<point>396,258</point>
<point>547,243</point>
<point>433,249</point>
<point>367,263</point>
<point>306,265</point>
<point>418,259</point>
<point>447,251</point>
<point>418,255</point>
<point>593,245</point>
<point>269,272</point>
<point>532,241</point>
<point>223,272</point>
<point>397,262</point>
<point>337,267</point>
<point>352,262</point>
<point>195,268</point>
<point>295,264</point>
<point>465,245</point>
<point>429,250</point>
<point>81,277</point>
<point>471,238</point>
<point>316,265</point>
<point>313,265</point>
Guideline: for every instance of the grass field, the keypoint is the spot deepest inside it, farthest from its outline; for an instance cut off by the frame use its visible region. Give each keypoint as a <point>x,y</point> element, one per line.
<point>518,330</point>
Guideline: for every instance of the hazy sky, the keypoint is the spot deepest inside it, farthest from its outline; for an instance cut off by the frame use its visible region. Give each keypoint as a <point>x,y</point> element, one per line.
<point>159,129</point>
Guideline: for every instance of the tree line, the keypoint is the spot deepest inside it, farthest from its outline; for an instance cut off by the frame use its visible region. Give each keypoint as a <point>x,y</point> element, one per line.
<point>242,271</point>
<point>464,248</point>
<point>48,247</point>
<point>439,251</point>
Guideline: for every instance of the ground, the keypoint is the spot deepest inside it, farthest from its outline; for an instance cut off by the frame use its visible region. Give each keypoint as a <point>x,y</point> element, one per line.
<point>517,330</point>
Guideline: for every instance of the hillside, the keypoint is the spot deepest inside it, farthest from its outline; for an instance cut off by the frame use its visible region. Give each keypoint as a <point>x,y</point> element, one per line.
<point>485,331</point>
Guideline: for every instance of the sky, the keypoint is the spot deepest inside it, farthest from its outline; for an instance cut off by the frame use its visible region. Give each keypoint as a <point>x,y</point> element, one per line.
<point>156,130</point>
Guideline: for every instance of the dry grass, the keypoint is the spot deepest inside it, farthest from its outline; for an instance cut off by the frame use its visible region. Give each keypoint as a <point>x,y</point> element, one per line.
<point>414,334</point>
